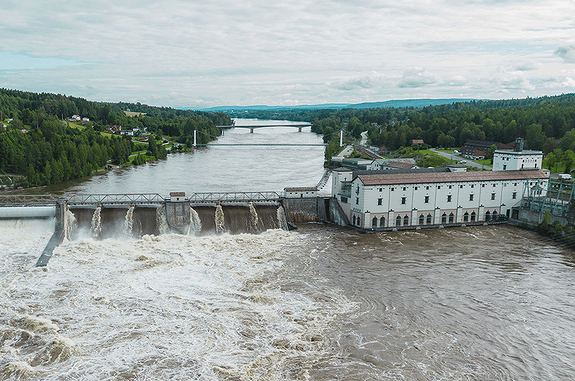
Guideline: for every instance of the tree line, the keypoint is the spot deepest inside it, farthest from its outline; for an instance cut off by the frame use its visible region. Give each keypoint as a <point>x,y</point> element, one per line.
<point>546,123</point>
<point>40,145</point>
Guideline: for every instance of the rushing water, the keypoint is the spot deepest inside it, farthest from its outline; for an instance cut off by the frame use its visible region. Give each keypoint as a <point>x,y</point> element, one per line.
<point>321,303</point>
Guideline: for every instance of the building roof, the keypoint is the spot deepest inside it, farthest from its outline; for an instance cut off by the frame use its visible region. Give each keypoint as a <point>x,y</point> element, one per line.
<point>301,189</point>
<point>400,165</point>
<point>524,152</point>
<point>392,178</point>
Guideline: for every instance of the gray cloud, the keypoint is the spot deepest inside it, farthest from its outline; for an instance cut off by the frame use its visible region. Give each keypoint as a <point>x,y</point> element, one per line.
<point>566,52</point>
<point>368,81</point>
<point>418,77</point>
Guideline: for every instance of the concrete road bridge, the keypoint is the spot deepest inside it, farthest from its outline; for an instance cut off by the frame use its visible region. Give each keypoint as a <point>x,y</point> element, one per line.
<point>252,127</point>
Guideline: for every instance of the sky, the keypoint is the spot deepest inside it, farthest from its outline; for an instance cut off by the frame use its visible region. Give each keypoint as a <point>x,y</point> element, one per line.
<point>199,54</point>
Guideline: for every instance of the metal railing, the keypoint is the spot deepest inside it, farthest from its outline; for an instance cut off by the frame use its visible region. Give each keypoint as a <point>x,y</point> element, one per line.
<point>143,198</point>
<point>233,197</point>
<point>89,199</point>
<point>27,200</point>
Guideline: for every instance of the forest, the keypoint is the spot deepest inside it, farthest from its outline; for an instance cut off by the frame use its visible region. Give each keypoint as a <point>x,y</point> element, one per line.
<point>39,146</point>
<point>546,124</point>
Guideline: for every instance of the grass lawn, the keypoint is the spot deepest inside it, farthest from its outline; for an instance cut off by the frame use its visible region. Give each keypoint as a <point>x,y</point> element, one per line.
<point>446,150</point>
<point>81,127</point>
<point>133,113</point>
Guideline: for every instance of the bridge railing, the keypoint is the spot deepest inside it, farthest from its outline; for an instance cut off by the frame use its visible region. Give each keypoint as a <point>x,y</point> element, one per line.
<point>233,197</point>
<point>25,200</point>
<point>87,199</point>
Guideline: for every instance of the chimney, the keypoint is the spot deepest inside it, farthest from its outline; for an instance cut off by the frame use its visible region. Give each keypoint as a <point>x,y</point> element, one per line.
<point>519,144</point>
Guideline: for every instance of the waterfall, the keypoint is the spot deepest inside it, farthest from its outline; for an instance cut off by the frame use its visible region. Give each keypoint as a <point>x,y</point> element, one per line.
<point>281,216</point>
<point>219,219</point>
<point>253,223</point>
<point>96,225</point>
<point>129,221</point>
<point>69,222</point>
<point>195,222</point>
<point>161,221</point>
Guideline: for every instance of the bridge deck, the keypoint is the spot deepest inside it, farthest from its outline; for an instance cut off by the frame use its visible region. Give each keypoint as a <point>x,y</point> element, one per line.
<point>136,199</point>
<point>264,144</point>
<point>268,125</point>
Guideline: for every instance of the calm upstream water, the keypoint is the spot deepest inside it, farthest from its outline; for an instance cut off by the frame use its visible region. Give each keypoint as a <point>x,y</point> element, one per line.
<point>321,303</point>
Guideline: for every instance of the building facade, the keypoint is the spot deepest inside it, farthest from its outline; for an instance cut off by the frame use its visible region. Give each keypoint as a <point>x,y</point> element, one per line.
<point>509,160</point>
<point>419,199</point>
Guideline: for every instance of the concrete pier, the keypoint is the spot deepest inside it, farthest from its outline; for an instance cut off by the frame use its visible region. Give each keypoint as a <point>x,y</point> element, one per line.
<point>57,237</point>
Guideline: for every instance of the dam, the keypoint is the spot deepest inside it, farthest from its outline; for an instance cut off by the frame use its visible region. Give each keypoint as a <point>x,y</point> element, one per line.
<point>134,215</point>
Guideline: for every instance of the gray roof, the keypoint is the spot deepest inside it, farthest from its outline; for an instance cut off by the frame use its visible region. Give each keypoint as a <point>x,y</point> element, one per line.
<point>417,177</point>
<point>524,152</point>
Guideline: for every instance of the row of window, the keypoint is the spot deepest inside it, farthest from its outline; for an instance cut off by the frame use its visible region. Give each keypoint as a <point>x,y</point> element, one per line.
<point>439,187</point>
<point>449,198</point>
<point>427,220</point>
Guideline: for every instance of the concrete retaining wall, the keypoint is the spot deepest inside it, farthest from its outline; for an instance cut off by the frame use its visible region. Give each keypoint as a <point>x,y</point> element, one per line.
<point>301,209</point>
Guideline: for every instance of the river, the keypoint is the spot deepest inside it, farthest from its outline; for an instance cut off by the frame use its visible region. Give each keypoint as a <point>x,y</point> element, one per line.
<point>320,303</point>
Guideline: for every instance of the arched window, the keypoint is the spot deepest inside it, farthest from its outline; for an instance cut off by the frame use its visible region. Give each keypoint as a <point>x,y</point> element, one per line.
<point>358,221</point>
<point>488,216</point>
<point>398,221</point>
<point>405,221</point>
<point>494,215</point>
<point>451,218</point>
<point>382,222</point>
<point>421,219</point>
<point>444,218</point>
<point>429,219</point>
<point>466,217</point>
<point>472,216</point>
<point>374,222</point>
<point>353,220</point>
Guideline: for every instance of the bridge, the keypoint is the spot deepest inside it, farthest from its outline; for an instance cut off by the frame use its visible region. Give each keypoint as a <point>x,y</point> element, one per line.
<point>262,145</point>
<point>299,126</point>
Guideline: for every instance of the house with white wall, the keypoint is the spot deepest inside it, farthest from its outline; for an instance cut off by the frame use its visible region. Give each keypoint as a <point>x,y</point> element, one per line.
<point>517,159</point>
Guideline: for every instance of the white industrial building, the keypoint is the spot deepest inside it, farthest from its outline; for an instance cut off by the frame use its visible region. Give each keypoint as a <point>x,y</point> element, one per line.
<point>517,159</point>
<point>433,198</point>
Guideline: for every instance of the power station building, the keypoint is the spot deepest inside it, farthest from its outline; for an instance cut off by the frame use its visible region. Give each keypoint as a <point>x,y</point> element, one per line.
<point>434,197</point>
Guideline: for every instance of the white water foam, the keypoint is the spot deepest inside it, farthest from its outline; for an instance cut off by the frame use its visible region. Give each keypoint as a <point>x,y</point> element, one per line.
<point>168,307</point>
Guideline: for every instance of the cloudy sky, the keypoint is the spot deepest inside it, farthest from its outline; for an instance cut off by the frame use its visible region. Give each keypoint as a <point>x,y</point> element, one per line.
<point>239,52</point>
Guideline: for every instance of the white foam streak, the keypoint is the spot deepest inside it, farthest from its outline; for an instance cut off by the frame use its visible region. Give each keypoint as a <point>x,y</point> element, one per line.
<point>161,220</point>
<point>219,219</point>
<point>96,225</point>
<point>129,221</point>
<point>195,222</point>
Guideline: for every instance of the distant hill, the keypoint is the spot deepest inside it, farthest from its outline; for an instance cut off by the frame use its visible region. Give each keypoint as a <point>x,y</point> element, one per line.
<point>417,103</point>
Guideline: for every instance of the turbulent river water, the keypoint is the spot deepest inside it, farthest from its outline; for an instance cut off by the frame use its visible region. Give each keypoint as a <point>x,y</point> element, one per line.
<point>320,303</point>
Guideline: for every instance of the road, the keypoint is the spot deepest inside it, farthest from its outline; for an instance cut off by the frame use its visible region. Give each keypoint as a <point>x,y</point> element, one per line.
<point>456,157</point>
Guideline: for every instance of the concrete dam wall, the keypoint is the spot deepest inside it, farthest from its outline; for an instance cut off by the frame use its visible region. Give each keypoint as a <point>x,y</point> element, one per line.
<point>115,221</point>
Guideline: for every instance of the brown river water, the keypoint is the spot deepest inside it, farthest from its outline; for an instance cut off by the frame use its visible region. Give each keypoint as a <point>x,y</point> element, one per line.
<point>319,303</point>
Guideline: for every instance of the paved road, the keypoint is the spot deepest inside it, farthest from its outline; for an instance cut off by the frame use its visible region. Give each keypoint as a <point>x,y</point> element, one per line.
<point>455,158</point>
